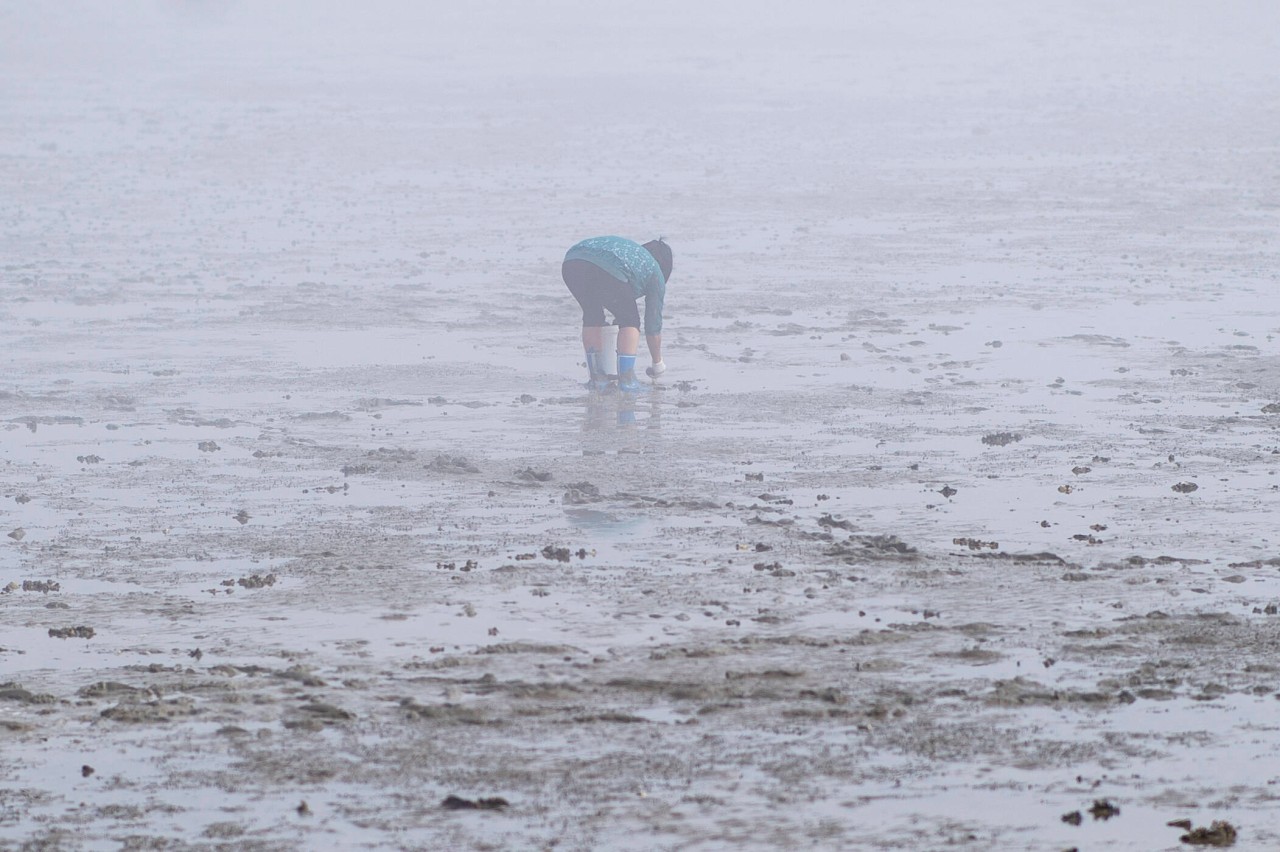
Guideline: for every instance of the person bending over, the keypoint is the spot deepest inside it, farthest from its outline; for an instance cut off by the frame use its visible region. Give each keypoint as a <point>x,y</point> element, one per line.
<point>613,273</point>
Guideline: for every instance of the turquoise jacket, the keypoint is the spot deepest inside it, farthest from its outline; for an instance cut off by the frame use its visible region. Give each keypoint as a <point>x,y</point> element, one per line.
<point>631,263</point>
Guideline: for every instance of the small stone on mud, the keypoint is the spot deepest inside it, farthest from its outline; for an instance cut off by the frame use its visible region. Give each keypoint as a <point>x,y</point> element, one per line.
<point>457,803</point>
<point>18,535</point>
<point>580,492</point>
<point>80,632</point>
<point>558,554</point>
<point>976,544</point>
<point>1185,487</point>
<point>1102,809</point>
<point>1219,833</point>
<point>257,581</point>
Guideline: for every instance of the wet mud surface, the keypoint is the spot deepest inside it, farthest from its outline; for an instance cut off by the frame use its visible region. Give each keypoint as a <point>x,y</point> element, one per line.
<point>952,525</point>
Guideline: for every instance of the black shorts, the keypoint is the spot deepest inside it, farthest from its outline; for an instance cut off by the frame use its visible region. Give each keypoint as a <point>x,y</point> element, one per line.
<point>596,291</point>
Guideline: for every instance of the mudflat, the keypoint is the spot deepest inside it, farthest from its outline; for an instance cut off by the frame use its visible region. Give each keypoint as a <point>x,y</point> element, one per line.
<point>952,524</point>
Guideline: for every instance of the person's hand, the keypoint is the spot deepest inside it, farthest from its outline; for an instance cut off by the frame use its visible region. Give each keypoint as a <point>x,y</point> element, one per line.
<point>656,370</point>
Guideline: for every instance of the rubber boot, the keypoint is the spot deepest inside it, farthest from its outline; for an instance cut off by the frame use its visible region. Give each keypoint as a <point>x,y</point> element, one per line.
<point>627,381</point>
<point>598,378</point>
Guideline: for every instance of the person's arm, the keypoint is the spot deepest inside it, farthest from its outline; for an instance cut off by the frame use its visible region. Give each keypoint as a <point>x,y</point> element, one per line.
<point>655,347</point>
<point>653,300</point>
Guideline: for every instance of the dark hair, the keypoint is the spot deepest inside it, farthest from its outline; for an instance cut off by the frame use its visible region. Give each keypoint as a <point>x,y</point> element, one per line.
<point>662,253</point>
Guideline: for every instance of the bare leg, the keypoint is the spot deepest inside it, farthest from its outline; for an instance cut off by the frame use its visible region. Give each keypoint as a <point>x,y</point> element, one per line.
<point>593,338</point>
<point>628,339</point>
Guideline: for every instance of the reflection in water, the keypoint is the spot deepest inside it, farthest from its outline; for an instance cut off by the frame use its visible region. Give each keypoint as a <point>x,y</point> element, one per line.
<point>609,421</point>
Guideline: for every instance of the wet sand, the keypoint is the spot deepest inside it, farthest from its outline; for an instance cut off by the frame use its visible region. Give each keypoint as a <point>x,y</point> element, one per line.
<point>951,525</point>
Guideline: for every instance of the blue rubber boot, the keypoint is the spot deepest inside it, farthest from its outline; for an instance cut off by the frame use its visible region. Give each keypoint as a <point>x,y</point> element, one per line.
<point>627,381</point>
<point>598,378</point>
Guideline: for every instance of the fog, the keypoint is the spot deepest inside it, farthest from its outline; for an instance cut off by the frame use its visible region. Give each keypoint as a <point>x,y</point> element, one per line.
<point>589,109</point>
<point>951,522</point>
